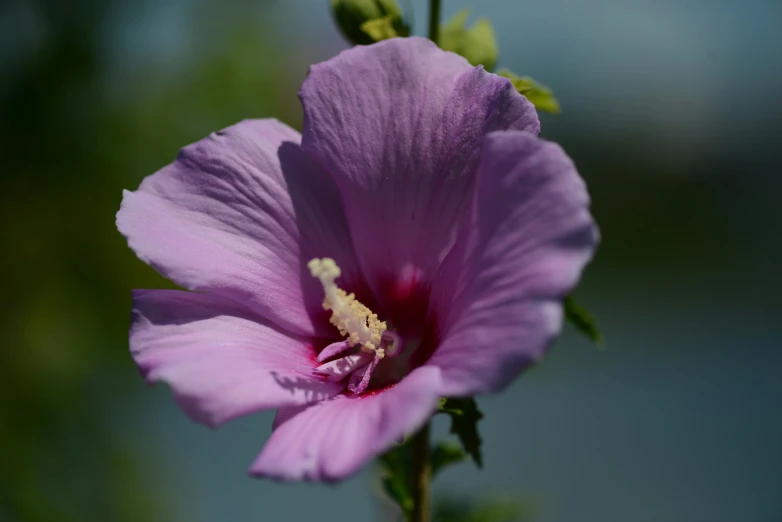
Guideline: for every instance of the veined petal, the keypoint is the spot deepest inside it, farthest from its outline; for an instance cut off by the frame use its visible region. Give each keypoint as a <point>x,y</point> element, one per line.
<point>400,125</point>
<point>332,439</point>
<point>239,214</point>
<point>498,297</point>
<point>220,361</point>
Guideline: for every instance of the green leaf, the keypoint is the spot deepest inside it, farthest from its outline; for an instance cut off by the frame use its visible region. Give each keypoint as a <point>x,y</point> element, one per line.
<point>446,454</point>
<point>352,15</point>
<point>399,492</point>
<point>450,406</point>
<point>396,481</point>
<point>539,95</point>
<point>583,320</point>
<point>380,28</point>
<point>476,43</point>
<point>464,424</point>
<point>461,509</point>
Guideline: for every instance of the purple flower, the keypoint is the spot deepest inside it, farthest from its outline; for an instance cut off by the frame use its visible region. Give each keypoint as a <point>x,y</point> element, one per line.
<point>419,185</point>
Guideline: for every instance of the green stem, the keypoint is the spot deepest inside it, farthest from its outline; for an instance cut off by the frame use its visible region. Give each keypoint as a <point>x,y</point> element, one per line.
<point>421,476</point>
<point>434,21</point>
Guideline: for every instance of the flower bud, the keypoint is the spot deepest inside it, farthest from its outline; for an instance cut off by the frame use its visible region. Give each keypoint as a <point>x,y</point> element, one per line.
<point>352,16</point>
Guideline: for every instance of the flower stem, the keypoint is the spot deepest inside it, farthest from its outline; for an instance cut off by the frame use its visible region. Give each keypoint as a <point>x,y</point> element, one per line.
<point>421,475</point>
<point>434,21</point>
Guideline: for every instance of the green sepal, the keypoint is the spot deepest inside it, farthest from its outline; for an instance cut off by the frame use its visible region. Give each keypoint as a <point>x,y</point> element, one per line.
<point>538,94</point>
<point>584,321</point>
<point>476,43</point>
<point>352,15</point>
<point>396,481</point>
<point>446,454</point>
<point>465,415</point>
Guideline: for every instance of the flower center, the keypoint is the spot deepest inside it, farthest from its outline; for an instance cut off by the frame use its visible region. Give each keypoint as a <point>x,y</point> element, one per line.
<point>358,325</point>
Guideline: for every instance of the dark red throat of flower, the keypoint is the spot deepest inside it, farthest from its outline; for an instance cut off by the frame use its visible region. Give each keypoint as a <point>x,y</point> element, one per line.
<point>372,354</point>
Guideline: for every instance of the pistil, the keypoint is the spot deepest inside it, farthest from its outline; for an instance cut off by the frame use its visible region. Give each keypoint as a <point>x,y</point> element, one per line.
<point>361,328</point>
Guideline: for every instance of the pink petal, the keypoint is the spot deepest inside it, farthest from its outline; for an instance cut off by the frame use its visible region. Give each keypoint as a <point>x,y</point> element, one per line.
<point>400,125</point>
<point>333,439</point>
<point>219,360</point>
<point>239,214</point>
<point>332,350</point>
<point>498,297</point>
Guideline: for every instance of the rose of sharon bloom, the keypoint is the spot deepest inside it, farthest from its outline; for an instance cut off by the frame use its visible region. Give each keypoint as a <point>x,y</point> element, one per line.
<point>415,242</point>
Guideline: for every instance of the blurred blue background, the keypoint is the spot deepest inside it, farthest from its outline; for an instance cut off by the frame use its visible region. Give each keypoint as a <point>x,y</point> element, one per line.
<point>672,111</point>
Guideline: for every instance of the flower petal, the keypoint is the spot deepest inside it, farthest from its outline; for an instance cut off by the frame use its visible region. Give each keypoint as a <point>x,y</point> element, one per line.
<point>332,439</point>
<point>220,362</point>
<point>400,125</point>
<point>498,296</point>
<point>239,214</point>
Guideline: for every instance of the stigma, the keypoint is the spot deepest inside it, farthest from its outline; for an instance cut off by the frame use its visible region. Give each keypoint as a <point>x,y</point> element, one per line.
<point>353,319</point>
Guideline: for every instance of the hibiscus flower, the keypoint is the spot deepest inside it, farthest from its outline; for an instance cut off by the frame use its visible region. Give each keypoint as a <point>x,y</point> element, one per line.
<point>415,242</point>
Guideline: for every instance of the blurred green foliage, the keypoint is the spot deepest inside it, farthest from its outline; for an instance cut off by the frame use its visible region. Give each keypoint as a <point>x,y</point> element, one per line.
<point>540,95</point>
<point>444,455</point>
<point>73,137</point>
<point>477,43</point>
<point>363,22</point>
<point>464,509</point>
<point>395,467</point>
<point>380,28</point>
